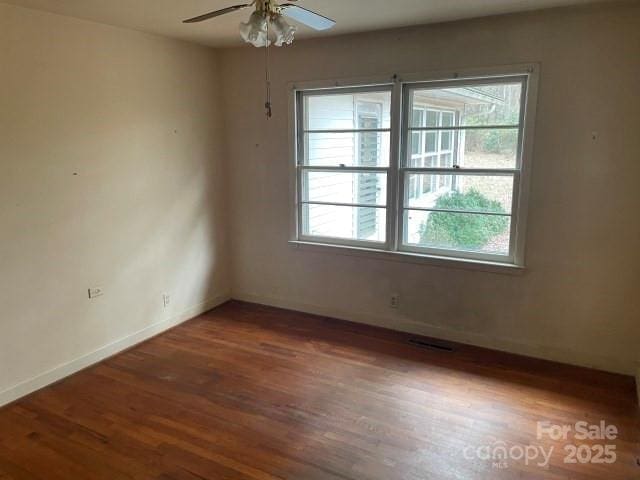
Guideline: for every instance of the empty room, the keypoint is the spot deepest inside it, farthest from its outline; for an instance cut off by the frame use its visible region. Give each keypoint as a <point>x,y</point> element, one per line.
<point>319,240</point>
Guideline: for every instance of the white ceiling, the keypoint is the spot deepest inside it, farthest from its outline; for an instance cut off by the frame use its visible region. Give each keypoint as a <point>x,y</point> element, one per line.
<point>164,17</point>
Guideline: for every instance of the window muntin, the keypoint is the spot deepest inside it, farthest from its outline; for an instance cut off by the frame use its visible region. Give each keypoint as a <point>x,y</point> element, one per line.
<point>457,176</point>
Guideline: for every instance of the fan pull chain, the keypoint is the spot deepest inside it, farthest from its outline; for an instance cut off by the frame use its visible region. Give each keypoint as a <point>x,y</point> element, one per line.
<point>267,103</point>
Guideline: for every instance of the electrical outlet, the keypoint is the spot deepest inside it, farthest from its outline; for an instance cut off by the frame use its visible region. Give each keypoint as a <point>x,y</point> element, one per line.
<point>394,302</point>
<point>95,292</point>
<point>166,299</point>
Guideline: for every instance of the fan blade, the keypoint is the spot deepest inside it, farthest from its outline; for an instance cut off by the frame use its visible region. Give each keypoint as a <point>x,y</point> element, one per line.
<point>217,13</point>
<point>312,19</point>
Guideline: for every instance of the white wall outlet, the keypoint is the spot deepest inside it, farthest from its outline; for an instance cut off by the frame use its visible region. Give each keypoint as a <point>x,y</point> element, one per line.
<point>95,292</point>
<point>166,299</point>
<point>394,302</point>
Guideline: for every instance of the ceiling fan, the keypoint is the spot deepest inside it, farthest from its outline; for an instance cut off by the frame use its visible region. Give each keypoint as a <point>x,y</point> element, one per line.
<point>268,15</point>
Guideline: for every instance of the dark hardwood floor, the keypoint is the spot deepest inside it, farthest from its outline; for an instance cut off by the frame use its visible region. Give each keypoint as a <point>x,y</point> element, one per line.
<point>251,392</point>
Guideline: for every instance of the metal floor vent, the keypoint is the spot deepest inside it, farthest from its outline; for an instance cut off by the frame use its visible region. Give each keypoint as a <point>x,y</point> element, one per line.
<point>442,347</point>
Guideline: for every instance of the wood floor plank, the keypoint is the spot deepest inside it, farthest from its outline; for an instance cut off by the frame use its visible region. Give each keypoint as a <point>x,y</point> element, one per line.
<point>257,393</point>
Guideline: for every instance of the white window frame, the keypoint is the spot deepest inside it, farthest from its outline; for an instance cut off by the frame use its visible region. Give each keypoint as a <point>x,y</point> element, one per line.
<point>301,168</point>
<point>393,248</point>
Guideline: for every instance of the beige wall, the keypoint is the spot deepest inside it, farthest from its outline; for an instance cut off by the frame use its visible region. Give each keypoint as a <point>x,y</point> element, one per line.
<point>112,175</point>
<point>137,118</point>
<point>578,300</point>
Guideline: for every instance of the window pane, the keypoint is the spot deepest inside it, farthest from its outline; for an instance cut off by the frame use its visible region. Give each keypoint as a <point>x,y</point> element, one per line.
<point>416,161</point>
<point>458,231</point>
<point>427,185</point>
<point>494,104</point>
<point>448,119</point>
<point>431,161</point>
<point>416,143</point>
<point>342,111</point>
<point>345,187</point>
<point>432,119</point>
<point>432,142</point>
<point>482,148</point>
<point>446,160</point>
<point>475,193</point>
<point>362,149</point>
<point>412,188</point>
<point>488,148</point>
<point>354,223</point>
<point>418,116</point>
<point>446,140</point>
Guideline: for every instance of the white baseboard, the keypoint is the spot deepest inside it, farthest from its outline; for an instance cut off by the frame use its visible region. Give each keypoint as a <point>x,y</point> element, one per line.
<point>566,356</point>
<point>61,371</point>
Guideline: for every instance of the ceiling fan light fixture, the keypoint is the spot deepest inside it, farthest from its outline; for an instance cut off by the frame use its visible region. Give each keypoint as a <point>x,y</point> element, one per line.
<point>268,15</point>
<point>255,30</point>
<point>285,33</point>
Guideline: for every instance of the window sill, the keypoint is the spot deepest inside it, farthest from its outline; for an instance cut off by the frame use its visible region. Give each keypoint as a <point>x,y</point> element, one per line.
<point>407,257</point>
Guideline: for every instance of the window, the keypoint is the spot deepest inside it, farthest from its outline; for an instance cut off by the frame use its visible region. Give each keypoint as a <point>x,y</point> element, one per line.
<point>429,148</point>
<point>432,168</point>
<point>345,140</point>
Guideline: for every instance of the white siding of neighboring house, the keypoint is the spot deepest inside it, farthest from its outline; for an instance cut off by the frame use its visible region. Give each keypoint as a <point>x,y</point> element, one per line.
<point>334,149</point>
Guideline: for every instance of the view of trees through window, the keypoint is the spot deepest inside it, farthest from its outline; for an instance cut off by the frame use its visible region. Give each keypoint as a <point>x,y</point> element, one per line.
<point>458,211</point>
